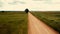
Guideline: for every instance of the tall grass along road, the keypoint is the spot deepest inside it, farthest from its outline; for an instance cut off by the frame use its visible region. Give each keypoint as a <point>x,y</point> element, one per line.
<point>13,22</point>
<point>38,27</point>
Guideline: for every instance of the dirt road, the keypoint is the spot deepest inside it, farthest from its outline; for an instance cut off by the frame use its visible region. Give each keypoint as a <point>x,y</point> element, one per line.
<point>38,27</point>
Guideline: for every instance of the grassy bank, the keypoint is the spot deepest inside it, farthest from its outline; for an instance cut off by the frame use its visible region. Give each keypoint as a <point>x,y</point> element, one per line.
<point>50,18</point>
<point>13,22</point>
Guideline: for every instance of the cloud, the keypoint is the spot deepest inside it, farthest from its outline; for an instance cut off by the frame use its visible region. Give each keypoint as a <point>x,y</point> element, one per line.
<point>37,0</point>
<point>17,2</point>
<point>1,4</point>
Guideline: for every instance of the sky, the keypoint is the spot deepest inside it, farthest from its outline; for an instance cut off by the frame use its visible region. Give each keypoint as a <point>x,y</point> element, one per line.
<point>32,5</point>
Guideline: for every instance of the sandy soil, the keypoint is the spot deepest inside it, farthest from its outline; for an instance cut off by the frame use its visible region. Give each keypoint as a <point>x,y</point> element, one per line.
<point>35,26</point>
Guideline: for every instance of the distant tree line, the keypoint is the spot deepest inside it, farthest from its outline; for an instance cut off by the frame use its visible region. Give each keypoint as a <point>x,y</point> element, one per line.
<point>26,10</point>
<point>2,11</point>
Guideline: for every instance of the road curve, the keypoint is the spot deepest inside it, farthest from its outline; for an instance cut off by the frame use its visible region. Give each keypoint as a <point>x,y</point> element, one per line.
<point>35,26</point>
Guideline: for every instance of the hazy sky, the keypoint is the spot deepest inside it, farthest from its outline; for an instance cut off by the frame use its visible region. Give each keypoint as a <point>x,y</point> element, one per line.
<point>34,5</point>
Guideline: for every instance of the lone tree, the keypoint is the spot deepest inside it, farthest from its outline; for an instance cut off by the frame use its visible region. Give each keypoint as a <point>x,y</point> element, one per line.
<point>26,10</point>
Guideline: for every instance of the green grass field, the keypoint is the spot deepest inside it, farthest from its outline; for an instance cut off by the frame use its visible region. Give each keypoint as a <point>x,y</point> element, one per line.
<point>13,22</point>
<point>50,18</point>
